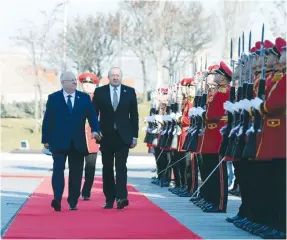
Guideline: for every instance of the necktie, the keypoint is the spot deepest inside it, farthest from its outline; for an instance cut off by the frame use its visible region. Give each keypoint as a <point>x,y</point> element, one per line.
<point>69,103</point>
<point>115,99</point>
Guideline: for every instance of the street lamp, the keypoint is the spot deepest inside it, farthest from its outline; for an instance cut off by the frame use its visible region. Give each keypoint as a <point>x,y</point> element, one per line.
<point>64,57</point>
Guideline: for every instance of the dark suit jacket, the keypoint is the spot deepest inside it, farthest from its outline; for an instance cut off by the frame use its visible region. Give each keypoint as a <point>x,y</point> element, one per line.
<point>125,117</point>
<point>60,127</point>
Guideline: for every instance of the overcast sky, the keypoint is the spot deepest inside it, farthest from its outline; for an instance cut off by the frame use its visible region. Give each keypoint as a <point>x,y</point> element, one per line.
<point>13,12</point>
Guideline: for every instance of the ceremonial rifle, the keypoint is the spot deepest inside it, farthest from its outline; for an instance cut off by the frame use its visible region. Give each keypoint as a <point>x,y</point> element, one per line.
<point>236,114</point>
<point>226,129</point>
<point>193,121</point>
<point>201,103</point>
<point>247,95</point>
<point>250,149</point>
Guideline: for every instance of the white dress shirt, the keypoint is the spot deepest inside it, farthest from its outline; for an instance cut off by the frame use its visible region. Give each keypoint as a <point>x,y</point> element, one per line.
<point>72,98</point>
<point>112,92</point>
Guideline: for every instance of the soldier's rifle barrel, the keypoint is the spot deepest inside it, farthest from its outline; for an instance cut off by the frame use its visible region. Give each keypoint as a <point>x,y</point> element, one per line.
<point>172,165</point>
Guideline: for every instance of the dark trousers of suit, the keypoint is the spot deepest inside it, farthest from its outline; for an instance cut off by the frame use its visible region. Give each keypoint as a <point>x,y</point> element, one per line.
<point>76,162</point>
<point>116,151</point>
<point>90,168</point>
<point>217,184</point>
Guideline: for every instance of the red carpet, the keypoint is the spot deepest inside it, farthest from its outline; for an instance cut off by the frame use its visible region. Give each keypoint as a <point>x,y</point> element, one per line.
<point>141,220</point>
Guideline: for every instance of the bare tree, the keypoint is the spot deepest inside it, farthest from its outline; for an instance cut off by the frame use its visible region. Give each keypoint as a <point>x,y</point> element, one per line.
<point>35,40</point>
<point>91,42</point>
<point>187,30</point>
<point>137,25</point>
<point>278,17</point>
<point>169,32</point>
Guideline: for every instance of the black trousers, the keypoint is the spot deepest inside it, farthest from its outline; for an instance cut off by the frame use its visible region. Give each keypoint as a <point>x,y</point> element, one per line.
<point>217,184</point>
<point>162,160</point>
<point>177,168</point>
<point>261,192</point>
<point>90,168</point>
<point>203,192</point>
<point>182,164</point>
<point>192,173</point>
<point>242,173</point>
<point>279,200</point>
<point>76,163</point>
<point>114,151</point>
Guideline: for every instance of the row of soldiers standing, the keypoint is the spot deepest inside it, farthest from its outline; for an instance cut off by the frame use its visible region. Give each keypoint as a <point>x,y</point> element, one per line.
<point>222,115</point>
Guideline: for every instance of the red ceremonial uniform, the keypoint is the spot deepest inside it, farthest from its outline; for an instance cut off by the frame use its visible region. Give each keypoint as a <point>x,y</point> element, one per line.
<point>273,141</point>
<point>185,122</point>
<point>87,77</point>
<point>93,147</point>
<point>215,119</point>
<point>270,81</point>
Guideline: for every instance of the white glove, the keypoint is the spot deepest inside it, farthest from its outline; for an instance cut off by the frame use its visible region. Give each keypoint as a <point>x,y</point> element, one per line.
<point>246,104</point>
<point>240,105</point>
<point>256,102</point>
<point>227,105</point>
<point>172,115</point>
<point>168,118</point>
<point>177,116</point>
<point>236,106</point>
<point>157,118</point>
<point>200,111</point>
<point>191,112</point>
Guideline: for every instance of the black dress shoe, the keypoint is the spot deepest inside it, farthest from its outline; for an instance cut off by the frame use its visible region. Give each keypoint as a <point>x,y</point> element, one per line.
<point>86,198</point>
<point>73,207</point>
<point>202,201</point>
<point>56,204</point>
<point>274,234</point>
<point>233,219</point>
<point>121,203</point>
<point>213,210</point>
<point>108,205</point>
<point>206,206</point>
<point>194,199</point>
<point>240,223</point>
<point>186,194</point>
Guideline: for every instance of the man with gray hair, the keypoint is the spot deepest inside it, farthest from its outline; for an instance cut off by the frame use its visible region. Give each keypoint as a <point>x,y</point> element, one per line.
<point>63,133</point>
<point>118,110</point>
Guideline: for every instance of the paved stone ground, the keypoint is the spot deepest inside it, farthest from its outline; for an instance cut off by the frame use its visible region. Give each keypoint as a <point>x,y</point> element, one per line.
<point>15,192</point>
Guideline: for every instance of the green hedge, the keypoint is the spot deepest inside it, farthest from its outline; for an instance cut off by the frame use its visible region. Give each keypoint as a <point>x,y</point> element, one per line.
<point>17,110</point>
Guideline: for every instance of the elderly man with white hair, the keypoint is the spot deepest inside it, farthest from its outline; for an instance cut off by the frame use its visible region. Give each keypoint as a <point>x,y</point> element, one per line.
<point>63,133</point>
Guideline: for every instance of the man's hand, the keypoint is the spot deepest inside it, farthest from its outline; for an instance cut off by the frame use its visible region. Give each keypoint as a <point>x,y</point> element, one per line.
<point>134,144</point>
<point>97,135</point>
<point>46,145</point>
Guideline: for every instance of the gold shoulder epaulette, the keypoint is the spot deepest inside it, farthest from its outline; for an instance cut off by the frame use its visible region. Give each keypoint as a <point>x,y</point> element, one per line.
<point>222,89</point>
<point>277,77</point>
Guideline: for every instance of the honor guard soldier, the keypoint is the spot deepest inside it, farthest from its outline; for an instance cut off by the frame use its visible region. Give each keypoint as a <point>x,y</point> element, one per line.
<point>185,164</point>
<point>215,119</point>
<point>273,110</point>
<point>89,82</point>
